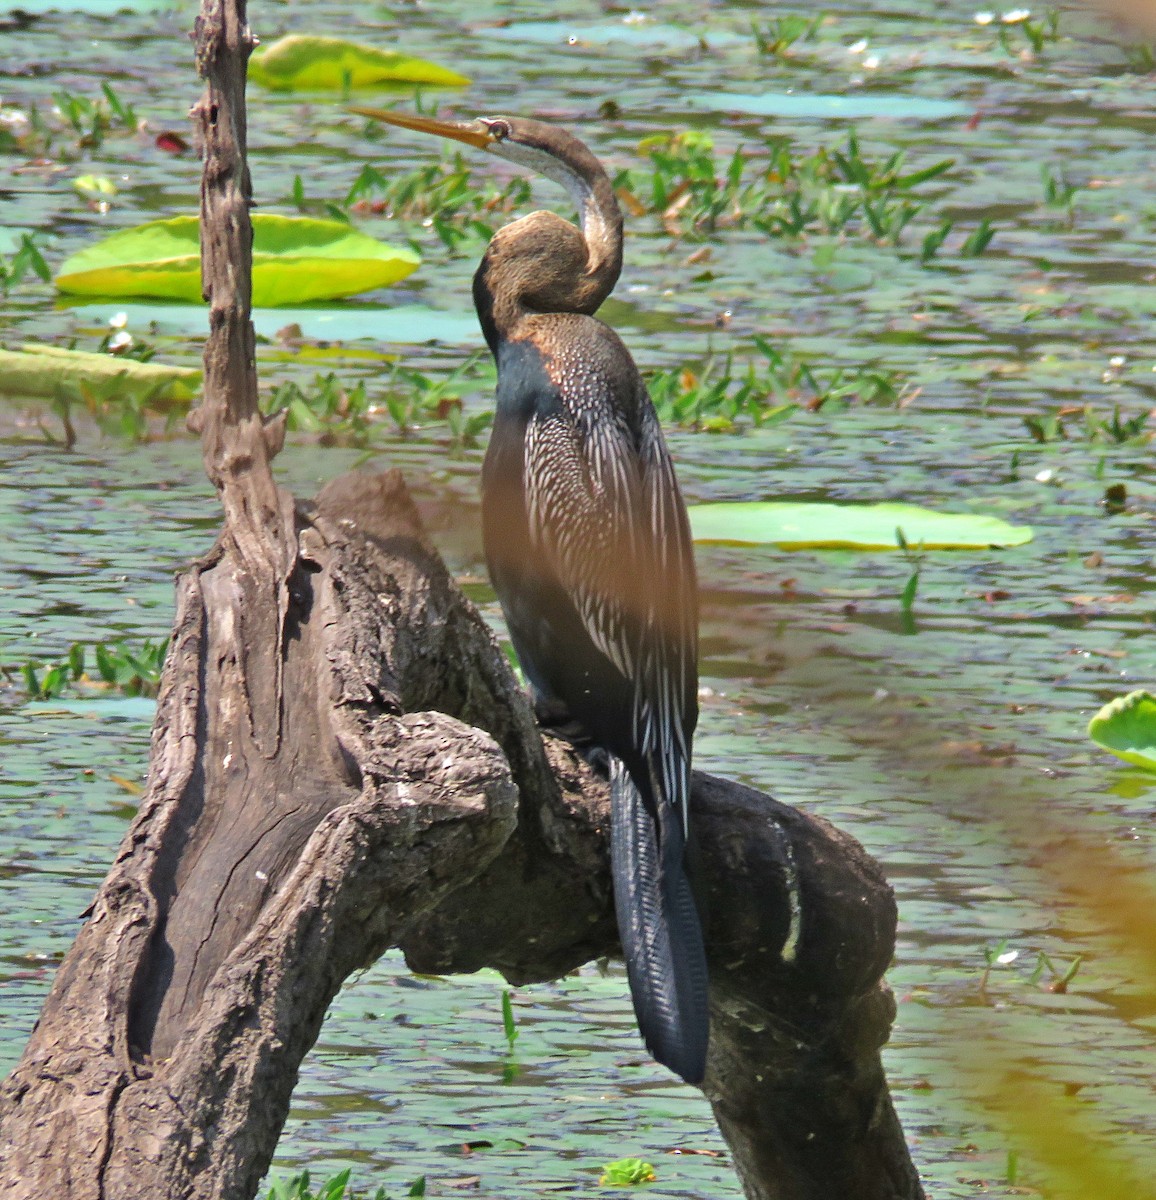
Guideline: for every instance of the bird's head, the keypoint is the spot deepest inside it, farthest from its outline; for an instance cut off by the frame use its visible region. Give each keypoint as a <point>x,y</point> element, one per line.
<point>550,151</point>
<point>542,148</point>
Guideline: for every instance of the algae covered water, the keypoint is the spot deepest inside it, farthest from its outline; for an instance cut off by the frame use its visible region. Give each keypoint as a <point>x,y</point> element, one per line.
<point>972,337</point>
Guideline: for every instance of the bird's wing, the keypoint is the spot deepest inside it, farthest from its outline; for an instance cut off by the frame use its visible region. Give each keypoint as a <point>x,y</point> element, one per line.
<point>583,498</point>
<point>667,697</point>
<point>606,513</point>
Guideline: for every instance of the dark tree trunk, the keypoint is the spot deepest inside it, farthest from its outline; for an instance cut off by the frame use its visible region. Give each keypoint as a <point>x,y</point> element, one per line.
<point>343,762</point>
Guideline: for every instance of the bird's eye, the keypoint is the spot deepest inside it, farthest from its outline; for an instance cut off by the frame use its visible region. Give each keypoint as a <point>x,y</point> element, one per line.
<point>498,128</point>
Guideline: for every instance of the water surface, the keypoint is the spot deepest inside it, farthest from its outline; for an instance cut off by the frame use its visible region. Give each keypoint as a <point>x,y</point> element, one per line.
<point>952,748</point>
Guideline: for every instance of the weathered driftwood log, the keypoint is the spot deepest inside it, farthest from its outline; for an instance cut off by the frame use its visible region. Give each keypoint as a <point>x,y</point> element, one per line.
<point>405,798</point>
<point>342,762</point>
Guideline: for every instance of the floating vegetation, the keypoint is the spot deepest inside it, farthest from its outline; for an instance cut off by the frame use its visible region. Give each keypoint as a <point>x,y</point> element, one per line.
<point>786,194</point>
<point>509,1026</point>
<point>1126,727</point>
<point>627,1172</point>
<point>441,193</point>
<point>26,260</point>
<point>98,190</point>
<point>887,526</point>
<point>718,397</point>
<point>90,120</point>
<point>295,260</point>
<point>1058,191</point>
<point>1116,429</point>
<point>1018,33</point>
<point>307,62</point>
<point>692,191</point>
<point>1045,976</point>
<point>349,415</point>
<point>779,34</point>
<point>129,672</point>
<point>338,1187</point>
<point>74,125</point>
<point>118,387</point>
<point>43,370</point>
<point>915,557</point>
<point>340,414</point>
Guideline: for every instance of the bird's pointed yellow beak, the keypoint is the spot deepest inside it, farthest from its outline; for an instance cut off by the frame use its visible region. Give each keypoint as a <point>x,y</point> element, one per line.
<point>473,133</point>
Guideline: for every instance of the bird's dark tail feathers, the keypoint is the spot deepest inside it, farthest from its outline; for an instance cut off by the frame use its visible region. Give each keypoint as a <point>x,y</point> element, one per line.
<point>659,926</point>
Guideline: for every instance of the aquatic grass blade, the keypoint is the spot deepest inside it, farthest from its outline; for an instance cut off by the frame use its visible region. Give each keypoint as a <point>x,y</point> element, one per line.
<point>508,1023</point>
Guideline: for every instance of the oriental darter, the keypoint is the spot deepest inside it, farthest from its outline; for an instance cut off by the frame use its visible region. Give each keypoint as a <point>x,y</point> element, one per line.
<point>589,550</point>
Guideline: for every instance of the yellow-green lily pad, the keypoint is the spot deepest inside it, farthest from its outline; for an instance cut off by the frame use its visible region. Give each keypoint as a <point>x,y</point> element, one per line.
<point>849,526</point>
<point>1126,727</point>
<point>43,370</point>
<point>295,260</point>
<point>305,62</point>
<point>94,187</point>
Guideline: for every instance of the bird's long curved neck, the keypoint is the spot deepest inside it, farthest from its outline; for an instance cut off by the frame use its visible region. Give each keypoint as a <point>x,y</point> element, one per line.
<point>542,263</point>
<point>600,220</point>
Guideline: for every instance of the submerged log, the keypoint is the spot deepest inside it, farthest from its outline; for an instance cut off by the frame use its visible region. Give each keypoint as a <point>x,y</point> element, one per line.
<point>342,762</point>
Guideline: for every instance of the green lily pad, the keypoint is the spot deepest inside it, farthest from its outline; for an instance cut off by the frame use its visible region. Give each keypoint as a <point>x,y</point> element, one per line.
<point>1126,727</point>
<point>42,370</point>
<point>302,62</point>
<point>94,187</point>
<point>295,260</point>
<point>849,526</point>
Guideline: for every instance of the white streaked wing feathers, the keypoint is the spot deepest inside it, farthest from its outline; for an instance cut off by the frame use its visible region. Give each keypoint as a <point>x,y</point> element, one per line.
<point>606,512</point>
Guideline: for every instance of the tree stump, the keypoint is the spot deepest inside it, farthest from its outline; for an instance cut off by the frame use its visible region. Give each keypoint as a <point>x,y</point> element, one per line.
<point>343,762</point>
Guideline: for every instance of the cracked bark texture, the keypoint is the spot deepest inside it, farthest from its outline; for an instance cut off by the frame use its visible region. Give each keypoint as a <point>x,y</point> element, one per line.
<point>343,762</point>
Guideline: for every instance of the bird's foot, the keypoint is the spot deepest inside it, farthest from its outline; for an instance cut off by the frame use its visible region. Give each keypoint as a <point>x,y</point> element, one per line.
<point>597,758</point>
<point>554,718</point>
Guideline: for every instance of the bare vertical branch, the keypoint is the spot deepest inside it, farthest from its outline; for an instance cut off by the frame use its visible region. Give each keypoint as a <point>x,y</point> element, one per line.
<point>223,45</point>
<point>238,445</point>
